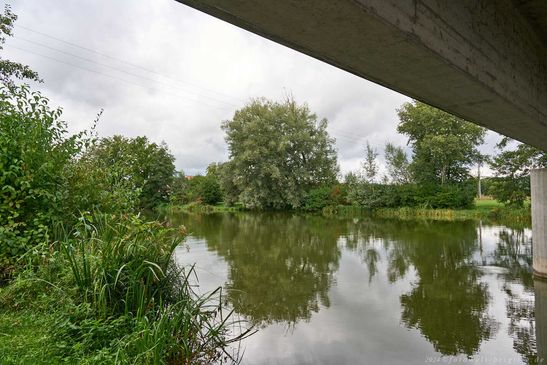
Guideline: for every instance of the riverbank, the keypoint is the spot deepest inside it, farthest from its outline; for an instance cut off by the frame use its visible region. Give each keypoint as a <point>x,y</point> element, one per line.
<point>109,291</point>
<point>485,209</point>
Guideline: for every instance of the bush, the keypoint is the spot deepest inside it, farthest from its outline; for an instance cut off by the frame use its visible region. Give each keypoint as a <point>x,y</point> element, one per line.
<point>135,163</point>
<point>324,196</point>
<point>107,281</point>
<point>202,189</point>
<point>375,196</point>
<point>317,199</point>
<point>210,191</point>
<point>510,191</point>
<point>121,298</point>
<point>35,151</point>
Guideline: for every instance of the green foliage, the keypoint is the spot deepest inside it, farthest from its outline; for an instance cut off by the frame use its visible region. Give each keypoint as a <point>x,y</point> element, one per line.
<point>370,165</point>
<point>135,164</point>
<point>325,196</point>
<point>397,164</point>
<point>120,298</point>
<point>278,151</point>
<point>35,151</point>
<point>201,189</point>
<point>120,266</point>
<point>375,196</point>
<point>132,299</point>
<point>210,191</point>
<point>512,169</point>
<point>228,184</point>
<point>444,146</point>
<point>510,191</point>
<point>25,339</point>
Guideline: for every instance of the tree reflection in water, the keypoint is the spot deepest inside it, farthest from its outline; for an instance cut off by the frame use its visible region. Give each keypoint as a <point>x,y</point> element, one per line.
<point>448,303</point>
<point>514,252</point>
<point>280,266</point>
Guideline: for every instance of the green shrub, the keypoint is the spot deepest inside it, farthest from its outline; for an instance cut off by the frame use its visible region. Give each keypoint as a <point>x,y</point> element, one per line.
<point>317,199</point>
<point>134,163</point>
<point>202,189</point>
<point>376,196</point>
<point>322,197</point>
<point>510,191</point>
<point>35,151</point>
<point>125,300</point>
<point>210,192</point>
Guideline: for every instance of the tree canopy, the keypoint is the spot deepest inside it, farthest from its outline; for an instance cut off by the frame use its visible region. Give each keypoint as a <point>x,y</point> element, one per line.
<point>443,145</point>
<point>136,162</point>
<point>397,164</point>
<point>512,169</point>
<point>278,151</point>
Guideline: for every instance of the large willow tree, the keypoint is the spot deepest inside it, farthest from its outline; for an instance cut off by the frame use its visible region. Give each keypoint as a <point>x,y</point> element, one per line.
<point>278,151</point>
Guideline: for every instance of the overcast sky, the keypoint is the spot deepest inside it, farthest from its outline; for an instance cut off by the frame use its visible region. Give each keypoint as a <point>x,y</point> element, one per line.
<point>161,69</point>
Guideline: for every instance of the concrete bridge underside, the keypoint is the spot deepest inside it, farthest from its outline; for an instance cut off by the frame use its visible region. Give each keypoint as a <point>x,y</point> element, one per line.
<point>483,60</point>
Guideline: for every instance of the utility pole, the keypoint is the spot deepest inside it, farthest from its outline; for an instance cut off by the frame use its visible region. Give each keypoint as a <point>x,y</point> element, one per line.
<point>479,178</point>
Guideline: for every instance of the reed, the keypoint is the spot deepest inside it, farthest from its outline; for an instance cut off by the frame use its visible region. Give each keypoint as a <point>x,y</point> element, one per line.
<point>125,299</point>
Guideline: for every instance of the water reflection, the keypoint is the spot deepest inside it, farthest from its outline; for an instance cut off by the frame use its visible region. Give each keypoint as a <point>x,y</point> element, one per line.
<point>541,328</point>
<point>448,302</point>
<point>280,266</point>
<point>465,288</point>
<point>514,253</point>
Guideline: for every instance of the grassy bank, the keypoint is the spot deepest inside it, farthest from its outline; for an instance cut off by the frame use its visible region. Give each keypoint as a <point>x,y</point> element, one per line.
<point>490,210</point>
<point>196,207</point>
<point>485,209</point>
<point>109,292</point>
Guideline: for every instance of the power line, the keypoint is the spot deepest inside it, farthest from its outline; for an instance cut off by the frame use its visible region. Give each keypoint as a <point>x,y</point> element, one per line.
<point>114,77</point>
<point>102,54</point>
<point>121,70</point>
<point>338,134</point>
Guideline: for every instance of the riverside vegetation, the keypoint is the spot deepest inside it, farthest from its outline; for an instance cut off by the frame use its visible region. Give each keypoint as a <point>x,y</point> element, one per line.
<point>84,277</point>
<point>282,158</point>
<point>79,259</point>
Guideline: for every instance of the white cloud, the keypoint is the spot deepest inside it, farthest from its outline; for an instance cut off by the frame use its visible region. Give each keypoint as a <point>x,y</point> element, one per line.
<point>212,69</point>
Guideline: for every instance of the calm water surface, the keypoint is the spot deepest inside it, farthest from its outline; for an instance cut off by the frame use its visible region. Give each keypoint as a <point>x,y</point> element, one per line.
<point>372,291</point>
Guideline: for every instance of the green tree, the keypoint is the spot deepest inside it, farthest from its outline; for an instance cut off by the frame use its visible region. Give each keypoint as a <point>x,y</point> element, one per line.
<point>9,69</point>
<point>178,187</point>
<point>227,180</point>
<point>370,165</point>
<point>278,151</point>
<point>397,164</point>
<point>444,146</point>
<point>204,189</point>
<point>210,191</point>
<point>512,169</point>
<point>137,164</point>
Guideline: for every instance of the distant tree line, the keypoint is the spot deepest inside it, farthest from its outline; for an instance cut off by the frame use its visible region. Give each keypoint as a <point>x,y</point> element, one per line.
<point>281,157</point>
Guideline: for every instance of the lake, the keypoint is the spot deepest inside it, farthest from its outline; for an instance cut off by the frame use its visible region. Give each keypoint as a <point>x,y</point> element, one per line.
<point>371,291</point>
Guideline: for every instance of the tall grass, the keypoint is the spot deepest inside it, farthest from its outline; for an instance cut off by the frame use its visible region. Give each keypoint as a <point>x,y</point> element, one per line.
<point>132,304</point>
<point>122,266</point>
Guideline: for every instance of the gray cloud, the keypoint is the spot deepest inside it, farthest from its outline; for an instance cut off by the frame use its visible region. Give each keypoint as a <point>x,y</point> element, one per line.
<point>212,68</point>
